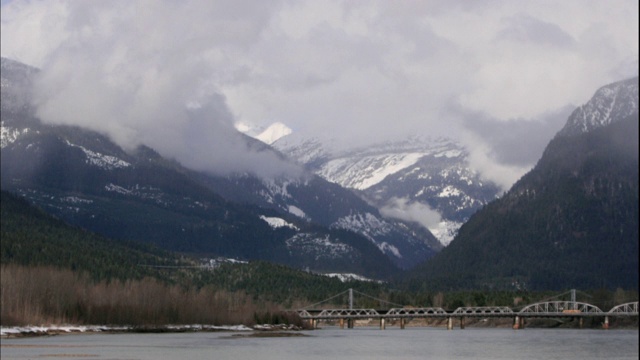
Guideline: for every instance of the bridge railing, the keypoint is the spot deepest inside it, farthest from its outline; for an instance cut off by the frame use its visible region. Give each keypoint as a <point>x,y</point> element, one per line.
<point>560,307</point>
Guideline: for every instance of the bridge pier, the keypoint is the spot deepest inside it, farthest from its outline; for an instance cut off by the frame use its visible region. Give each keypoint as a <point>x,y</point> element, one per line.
<point>341,323</point>
<point>402,323</point>
<point>606,323</point>
<point>350,323</point>
<point>382,323</point>
<point>449,323</point>
<point>581,322</point>
<point>516,323</point>
<point>462,323</point>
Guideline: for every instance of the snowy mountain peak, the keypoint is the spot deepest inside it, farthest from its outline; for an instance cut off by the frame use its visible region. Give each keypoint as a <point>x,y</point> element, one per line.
<point>610,103</point>
<point>274,132</point>
<point>268,135</point>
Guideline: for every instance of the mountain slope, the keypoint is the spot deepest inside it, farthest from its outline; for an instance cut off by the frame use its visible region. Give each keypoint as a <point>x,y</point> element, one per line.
<point>31,237</point>
<point>84,178</point>
<point>422,174</point>
<point>572,221</point>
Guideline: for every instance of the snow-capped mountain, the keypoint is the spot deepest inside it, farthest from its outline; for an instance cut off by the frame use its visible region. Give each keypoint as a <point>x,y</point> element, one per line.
<point>84,178</point>
<point>610,103</point>
<point>419,179</point>
<point>572,221</point>
<point>267,135</point>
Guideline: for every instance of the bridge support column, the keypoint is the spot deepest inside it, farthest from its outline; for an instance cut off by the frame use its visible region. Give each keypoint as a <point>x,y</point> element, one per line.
<point>450,323</point>
<point>516,323</point>
<point>382,324</point>
<point>606,323</point>
<point>342,323</point>
<point>462,322</point>
<point>402,323</point>
<point>581,322</point>
<point>350,323</point>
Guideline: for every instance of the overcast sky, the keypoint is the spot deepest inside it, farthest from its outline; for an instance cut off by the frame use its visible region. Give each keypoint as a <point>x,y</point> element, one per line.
<point>500,76</point>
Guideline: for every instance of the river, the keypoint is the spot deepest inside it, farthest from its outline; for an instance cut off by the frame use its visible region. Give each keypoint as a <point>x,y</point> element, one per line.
<point>335,343</point>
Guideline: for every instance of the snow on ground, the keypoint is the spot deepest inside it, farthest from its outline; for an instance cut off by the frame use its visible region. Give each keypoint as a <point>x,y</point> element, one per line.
<point>276,222</point>
<point>273,133</point>
<point>9,135</point>
<point>55,329</point>
<point>297,211</point>
<point>368,171</point>
<point>346,277</point>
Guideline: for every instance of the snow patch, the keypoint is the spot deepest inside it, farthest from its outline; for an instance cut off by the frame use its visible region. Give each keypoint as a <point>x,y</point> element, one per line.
<point>273,133</point>
<point>321,247</point>
<point>54,329</point>
<point>297,211</point>
<point>347,277</point>
<point>107,162</point>
<point>445,231</point>
<point>368,171</point>
<point>276,223</point>
<point>10,135</point>
<point>449,191</point>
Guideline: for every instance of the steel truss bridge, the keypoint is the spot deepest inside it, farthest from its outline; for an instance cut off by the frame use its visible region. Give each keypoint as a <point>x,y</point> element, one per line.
<point>547,309</point>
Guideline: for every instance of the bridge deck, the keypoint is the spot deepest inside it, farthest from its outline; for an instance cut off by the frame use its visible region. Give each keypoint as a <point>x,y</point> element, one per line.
<point>555,309</point>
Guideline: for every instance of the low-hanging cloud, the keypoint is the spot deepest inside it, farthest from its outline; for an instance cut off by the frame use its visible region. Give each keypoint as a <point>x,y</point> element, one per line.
<point>149,79</point>
<point>176,74</point>
<point>403,209</point>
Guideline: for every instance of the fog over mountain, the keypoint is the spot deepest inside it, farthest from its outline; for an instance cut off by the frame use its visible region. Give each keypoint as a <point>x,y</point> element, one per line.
<point>176,76</point>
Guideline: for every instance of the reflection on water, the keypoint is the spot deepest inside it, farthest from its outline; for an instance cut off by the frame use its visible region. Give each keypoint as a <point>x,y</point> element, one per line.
<point>333,343</point>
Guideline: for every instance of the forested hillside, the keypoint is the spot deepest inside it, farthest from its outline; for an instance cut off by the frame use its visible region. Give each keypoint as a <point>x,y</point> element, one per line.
<point>571,222</point>
<point>31,237</point>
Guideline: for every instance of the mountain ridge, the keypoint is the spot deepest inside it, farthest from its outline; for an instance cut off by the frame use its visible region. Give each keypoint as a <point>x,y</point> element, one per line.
<point>571,222</point>
<point>84,178</point>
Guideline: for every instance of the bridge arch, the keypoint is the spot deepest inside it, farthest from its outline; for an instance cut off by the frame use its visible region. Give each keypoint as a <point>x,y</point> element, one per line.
<point>560,308</point>
<point>625,309</point>
<point>481,310</point>
<point>415,311</point>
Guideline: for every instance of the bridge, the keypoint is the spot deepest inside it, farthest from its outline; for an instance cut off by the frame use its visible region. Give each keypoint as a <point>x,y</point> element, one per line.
<point>557,309</point>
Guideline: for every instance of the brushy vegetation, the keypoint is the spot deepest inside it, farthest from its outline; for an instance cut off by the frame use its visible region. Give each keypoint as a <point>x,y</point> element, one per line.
<point>46,295</point>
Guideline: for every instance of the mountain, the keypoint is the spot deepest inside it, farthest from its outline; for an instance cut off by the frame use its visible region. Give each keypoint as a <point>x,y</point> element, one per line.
<point>32,237</point>
<point>84,178</point>
<point>571,222</point>
<point>419,179</point>
<point>611,103</point>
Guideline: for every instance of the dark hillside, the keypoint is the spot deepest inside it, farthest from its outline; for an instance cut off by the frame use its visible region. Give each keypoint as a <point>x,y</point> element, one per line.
<point>572,222</point>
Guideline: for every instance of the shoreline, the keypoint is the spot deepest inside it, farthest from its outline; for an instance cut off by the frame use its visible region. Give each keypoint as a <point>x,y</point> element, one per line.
<point>36,331</point>
<point>285,330</point>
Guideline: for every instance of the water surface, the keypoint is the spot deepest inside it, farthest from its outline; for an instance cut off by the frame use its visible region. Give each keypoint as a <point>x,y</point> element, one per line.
<point>335,343</point>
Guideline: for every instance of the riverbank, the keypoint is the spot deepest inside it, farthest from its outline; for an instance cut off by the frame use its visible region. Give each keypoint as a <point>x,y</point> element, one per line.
<point>32,331</point>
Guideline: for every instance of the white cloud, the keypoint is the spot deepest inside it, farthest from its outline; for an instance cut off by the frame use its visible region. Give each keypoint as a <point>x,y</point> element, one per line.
<point>361,71</point>
<point>403,209</point>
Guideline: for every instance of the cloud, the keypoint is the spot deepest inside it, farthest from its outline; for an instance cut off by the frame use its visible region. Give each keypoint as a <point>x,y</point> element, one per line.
<point>358,71</point>
<point>403,209</point>
<point>141,72</point>
<point>524,28</point>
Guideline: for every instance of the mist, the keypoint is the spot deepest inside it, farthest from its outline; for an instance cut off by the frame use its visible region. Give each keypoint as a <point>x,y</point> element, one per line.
<point>176,75</point>
<point>140,73</point>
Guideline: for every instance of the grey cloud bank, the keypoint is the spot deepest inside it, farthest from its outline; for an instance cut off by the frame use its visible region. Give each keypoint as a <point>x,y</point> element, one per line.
<point>176,75</point>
